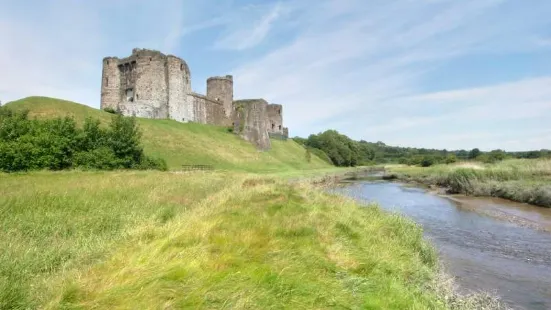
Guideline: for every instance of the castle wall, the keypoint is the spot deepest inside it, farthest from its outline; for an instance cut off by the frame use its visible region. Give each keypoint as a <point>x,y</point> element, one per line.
<point>110,84</point>
<point>275,118</point>
<point>199,106</point>
<point>208,111</point>
<point>151,82</point>
<point>249,121</point>
<point>220,88</point>
<point>179,86</point>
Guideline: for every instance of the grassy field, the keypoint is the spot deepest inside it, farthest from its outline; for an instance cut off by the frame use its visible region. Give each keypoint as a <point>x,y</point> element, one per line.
<point>125,240</point>
<point>229,239</point>
<point>185,144</point>
<point>522,180</point>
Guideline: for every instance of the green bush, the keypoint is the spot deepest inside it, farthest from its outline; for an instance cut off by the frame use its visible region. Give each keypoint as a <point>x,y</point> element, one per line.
<point>450,159</point>
<point>427,161</point>
<point>59,144</point>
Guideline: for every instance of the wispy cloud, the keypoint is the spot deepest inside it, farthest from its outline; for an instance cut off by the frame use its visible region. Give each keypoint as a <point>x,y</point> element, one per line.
<point>350,67</point>
<point>248,32</point>
<point>409,72</point>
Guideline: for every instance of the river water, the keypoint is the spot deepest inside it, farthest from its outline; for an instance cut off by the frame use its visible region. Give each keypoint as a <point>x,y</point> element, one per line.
<point>500,256</point>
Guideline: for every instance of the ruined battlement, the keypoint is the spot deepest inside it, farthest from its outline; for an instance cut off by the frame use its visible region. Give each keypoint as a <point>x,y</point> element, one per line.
<point>151,84</point>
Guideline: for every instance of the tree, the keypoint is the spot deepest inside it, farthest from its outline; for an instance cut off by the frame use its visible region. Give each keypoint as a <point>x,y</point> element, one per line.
<point>474,153</point>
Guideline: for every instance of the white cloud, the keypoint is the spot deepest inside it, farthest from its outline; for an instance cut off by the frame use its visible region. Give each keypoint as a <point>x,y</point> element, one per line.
<point>350,66</point>
<point>244,32</point>
<point>359,66</point>
<point>55,48</point>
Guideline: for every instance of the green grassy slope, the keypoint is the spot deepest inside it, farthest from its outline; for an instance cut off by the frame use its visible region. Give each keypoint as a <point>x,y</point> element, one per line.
<point>183,144</point>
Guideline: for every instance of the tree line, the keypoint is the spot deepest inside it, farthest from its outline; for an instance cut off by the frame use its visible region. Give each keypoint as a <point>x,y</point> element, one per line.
<point>340,150</point>
<point>57,144</point>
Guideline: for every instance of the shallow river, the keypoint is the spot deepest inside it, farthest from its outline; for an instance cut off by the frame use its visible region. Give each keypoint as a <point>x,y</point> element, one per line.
<point>482,252</point>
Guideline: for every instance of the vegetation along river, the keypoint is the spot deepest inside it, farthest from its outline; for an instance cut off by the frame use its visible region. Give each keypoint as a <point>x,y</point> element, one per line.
<point>498,255</point>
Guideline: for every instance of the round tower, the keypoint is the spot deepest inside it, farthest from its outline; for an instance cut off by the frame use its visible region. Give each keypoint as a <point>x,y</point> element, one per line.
<point>220,88</point>
<point>179,86</point>
<point>110,84</point>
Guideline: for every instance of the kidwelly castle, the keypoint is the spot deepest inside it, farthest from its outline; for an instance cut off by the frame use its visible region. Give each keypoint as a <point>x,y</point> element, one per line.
<point>151,84</point>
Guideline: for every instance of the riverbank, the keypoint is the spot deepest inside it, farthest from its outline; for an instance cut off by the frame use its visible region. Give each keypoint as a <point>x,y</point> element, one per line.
<point>203,240</point>
<point>526,181</point>
<point>481,252</point>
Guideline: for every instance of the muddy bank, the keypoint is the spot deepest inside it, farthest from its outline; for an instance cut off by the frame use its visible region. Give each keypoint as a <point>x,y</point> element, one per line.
<point>522,214</point>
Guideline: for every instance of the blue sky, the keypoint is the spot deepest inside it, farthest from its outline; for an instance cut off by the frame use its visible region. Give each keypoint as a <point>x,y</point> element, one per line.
<point>427,73</point>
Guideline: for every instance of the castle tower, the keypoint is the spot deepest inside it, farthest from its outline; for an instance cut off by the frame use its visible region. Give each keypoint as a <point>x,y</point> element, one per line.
<point>179,86</point>
<point>250,122</point>
<point>220,88</point>
<point>110,84</point>
<point>275,118</point>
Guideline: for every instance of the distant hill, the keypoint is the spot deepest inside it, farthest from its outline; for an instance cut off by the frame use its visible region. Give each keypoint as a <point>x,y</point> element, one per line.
<point>186,144</point>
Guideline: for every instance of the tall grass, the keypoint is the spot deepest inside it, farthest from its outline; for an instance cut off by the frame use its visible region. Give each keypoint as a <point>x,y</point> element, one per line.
<point>522,180</point>
<point>166,240</point>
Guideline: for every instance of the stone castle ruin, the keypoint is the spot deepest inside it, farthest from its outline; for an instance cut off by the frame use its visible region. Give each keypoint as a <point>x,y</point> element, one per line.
<point>151,84</point>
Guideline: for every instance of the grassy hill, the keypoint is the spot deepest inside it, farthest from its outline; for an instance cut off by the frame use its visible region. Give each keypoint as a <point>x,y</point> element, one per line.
<point>184,144</point>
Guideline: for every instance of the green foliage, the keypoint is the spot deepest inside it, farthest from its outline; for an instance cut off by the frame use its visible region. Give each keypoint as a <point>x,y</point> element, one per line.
<point>58,144</point>
<point>450,159</point>
<point>342,150</point>
<point>427,161</point>
<point>474,153</point>
<point>308,155</point>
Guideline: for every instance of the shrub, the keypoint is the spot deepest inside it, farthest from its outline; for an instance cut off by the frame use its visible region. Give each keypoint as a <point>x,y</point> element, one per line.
<point>152,163</point>
<point>450,159</point>
<point>427,161</point>
<point>58,144</point>
<point>102,158</point>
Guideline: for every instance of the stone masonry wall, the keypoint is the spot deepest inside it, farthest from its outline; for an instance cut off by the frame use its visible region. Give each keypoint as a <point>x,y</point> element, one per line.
<point>179,86</point>
<point>249,122</point>
<point>275,118</point>
<point>110,83</point>
<point>151,86</point>
<point>220,88</point>
<point>208,111</point>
